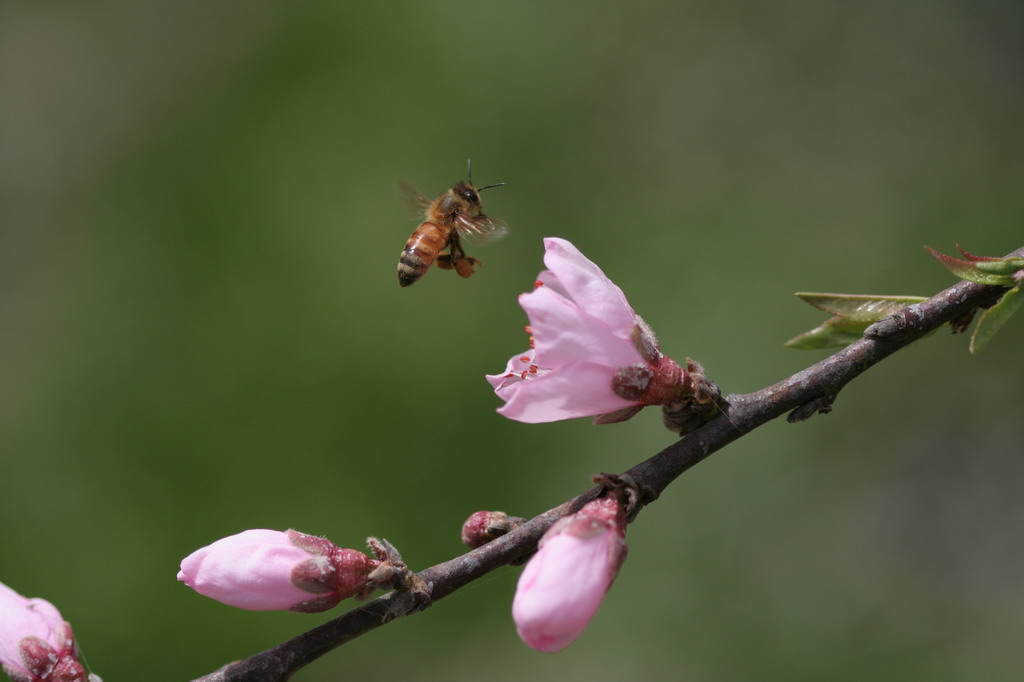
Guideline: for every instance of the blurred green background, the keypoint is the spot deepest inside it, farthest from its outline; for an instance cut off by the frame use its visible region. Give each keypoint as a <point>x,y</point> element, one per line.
<point>201,329</point>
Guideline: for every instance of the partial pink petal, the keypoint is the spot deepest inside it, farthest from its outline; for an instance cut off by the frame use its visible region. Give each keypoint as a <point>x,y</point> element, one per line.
<point>10,600</point>
<point>587,285</point>
<point>565,334</point>
<point>579,390</point>
<point>550,280</point>
<point>517,367</point>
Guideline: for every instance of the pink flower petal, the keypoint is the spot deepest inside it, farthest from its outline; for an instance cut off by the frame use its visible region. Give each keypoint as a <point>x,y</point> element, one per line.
<point>565,334</point>
<point>587,284</point>
<point>580,390</point>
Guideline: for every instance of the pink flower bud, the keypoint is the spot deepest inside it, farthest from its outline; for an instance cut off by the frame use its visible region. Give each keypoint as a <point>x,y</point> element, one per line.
<point>36,643</point>
<point>564,583</point>
<point>483,526</point>
<point>270,570</point>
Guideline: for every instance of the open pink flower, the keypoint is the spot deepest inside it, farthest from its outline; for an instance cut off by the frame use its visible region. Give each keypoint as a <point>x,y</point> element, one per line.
<point>270,570</point>
<point>36,643</point>
<point>591,356</point>
<point>582,331</point>
<point>564,583</point>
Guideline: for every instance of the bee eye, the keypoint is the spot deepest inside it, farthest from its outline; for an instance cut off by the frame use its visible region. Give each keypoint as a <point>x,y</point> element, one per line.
<point>471,196</point>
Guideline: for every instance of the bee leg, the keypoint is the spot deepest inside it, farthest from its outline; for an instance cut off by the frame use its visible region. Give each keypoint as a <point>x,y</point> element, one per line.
<point>458,259</point>
<point>464,266</point>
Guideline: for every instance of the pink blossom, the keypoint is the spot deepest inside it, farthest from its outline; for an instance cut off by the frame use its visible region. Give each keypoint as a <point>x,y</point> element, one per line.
<point>36,643</point>
<point>564,583</point>
<point>583,333</point>
<point>269,570</point>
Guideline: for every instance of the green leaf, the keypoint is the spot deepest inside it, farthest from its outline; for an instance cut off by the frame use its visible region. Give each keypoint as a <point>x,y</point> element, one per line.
<point>995,317</point>
<point>858,307</point>
<point>981,270</point>
<point>834,332</point>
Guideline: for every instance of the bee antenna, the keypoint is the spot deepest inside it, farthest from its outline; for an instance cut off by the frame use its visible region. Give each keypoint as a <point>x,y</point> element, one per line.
<point>497,184</point>
<point>469,169</point>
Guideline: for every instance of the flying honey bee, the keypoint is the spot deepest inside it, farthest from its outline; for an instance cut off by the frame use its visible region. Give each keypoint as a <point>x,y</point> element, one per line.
<point>447,219</point>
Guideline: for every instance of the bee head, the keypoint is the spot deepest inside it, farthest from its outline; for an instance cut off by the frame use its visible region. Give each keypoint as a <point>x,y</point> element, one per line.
<point>466,191</point>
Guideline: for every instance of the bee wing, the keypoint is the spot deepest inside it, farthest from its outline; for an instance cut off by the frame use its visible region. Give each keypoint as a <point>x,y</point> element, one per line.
<point>416,201</point>
<point>481,228</point>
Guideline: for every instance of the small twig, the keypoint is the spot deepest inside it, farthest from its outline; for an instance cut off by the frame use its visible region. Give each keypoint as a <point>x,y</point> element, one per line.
<point>807,391</point>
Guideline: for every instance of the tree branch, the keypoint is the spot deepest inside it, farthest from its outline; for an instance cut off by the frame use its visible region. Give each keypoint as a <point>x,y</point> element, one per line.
<point>805,393</point>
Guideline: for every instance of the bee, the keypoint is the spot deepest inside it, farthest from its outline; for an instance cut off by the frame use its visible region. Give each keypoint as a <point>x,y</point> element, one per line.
<point>446,220</point>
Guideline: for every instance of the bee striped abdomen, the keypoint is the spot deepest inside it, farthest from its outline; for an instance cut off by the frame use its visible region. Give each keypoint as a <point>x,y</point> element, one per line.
<point>420,252</point>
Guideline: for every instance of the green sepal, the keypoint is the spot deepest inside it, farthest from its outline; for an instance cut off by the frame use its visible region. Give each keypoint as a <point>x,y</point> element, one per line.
<point>995,317</point>
<point>1003,266</point>
<point>995,271</point>
<point>1003,262</point>
<point>858,307</point>
<point>835,332</point>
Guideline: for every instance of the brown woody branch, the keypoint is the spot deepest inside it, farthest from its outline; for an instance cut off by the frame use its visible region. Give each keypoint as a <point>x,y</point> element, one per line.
<point>805,393</point>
